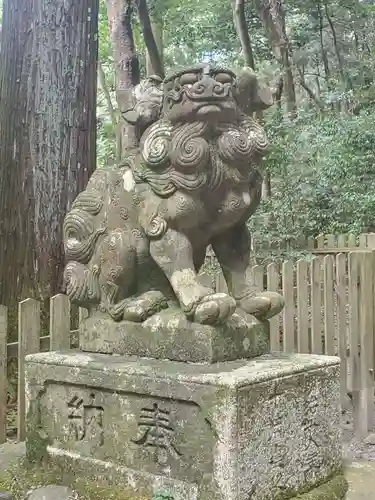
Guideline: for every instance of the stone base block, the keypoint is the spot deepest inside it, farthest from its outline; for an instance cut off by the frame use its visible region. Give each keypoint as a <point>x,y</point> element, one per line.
<point>169,335</point>
<point>264,429</point>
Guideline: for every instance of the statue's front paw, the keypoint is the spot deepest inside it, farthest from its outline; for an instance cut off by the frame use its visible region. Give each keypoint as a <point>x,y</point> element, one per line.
<point>264,305</point>
<point>214,309</point>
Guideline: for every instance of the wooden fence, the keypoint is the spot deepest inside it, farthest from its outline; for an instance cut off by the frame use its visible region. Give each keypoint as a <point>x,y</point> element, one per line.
<point>329,309</point>
<point>322,244</point>
<point>30,341</point>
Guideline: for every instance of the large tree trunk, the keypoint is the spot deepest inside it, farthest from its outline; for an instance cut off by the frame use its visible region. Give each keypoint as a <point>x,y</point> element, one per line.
<point>16,45</point>
<point>126,62</point>
<point>273,18</point>
<point>47,135</point>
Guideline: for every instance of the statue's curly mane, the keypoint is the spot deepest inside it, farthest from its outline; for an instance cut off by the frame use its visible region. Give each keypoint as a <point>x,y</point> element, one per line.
<point>193,155</point>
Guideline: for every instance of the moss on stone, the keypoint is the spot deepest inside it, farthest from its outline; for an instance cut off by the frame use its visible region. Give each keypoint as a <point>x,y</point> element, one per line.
<point>22,477</point>
<point>334,489</point>
<point>37,442</point>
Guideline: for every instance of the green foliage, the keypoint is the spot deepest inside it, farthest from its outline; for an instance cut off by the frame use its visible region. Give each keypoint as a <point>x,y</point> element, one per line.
<point>162,495</point>
<point>21,477</point>
<point>106,144</point>
<point>325,177</point>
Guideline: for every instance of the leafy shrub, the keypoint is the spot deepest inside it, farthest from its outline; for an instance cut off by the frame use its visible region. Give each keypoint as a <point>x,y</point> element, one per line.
<point>323,176</point>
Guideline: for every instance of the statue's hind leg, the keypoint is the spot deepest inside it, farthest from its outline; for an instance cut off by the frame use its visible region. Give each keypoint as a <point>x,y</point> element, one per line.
<point>119,284</point>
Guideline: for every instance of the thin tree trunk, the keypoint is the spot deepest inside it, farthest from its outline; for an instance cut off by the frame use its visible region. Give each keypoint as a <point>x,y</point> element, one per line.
<point>157,30</point>
<point>278,92</point>
<point>126,62</point>
<point>107,96</point>
<point>266,187</point>
<point>321,40</point>
<point>239,17</point>
<point>311,94</point>
<point>309,91</point>
<point>273,18</point>
<point>243,32</point>
<point>344,76</point>
<point>111,110</point>
<point>152,48</point>
<point>47,135</point>
<point>317,78</point>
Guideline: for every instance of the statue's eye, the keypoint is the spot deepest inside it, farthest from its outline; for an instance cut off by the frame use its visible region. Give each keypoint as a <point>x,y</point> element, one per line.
<point>188,78</point>
<point>224,78</point>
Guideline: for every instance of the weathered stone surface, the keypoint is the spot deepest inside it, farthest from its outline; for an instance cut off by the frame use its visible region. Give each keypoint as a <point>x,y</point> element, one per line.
<point>52,492</point>
<point>265,429</point>
<point>170,335</point>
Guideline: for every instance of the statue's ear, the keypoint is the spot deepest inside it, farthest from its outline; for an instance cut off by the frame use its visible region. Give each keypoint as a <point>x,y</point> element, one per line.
<point>130,116</point>
<point>252,95</point>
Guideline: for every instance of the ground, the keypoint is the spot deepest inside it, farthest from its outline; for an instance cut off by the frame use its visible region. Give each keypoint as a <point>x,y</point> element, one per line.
<point>361,477</point>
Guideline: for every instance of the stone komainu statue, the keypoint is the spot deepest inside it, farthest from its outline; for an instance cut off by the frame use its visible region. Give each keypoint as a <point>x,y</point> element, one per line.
<point>137,236</point>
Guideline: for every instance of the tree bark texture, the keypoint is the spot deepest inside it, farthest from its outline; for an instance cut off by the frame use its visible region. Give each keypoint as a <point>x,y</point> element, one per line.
<point>148,35</point>
<point>126,63</point>
<point>240,23</point>
<point>335,44</point>
<point>321,40</point>
<point>273,18</point>
<point>157,30</point>
<point>47,136</point>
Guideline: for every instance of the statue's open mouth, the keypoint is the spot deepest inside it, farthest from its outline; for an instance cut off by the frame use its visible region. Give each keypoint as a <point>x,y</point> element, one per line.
<point>208,108</point>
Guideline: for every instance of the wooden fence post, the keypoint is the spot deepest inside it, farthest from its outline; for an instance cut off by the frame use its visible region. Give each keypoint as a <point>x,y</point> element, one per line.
<point>59,323</point>
<point>362,239</point>
<point>341,241</point>
<point>273,286</point>
<point>28,343</point>
<point>371,241</point>
<point>331,240</point>
<point>366,303</point>
<point>289,309</point>
<point>329,323</point>
<point>353,298</point>
<point>316,301</point>
<point>258,277</point>
<point>352,241</point>
<point>221,284</point>
<point>320,241</point>
<point>302,306</point>
<point>3,371</point>
<point>341,324</point>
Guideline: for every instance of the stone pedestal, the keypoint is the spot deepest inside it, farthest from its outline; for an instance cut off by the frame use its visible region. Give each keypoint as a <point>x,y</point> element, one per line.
<point>261,429</point>
<point>169,335</point>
